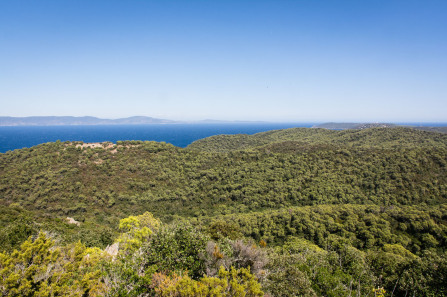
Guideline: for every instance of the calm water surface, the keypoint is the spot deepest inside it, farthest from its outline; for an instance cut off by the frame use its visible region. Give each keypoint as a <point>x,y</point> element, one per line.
<point>181,135</point>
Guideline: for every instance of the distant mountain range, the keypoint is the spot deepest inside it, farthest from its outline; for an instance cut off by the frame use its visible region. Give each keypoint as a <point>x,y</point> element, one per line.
<point>87,120</point>
<point>68,120</point>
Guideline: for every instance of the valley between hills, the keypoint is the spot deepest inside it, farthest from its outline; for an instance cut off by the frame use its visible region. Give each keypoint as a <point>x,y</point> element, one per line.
<point>294,212</point>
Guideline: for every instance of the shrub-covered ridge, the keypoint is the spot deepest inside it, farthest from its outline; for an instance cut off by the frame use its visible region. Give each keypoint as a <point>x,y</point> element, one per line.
<point>297,212</point>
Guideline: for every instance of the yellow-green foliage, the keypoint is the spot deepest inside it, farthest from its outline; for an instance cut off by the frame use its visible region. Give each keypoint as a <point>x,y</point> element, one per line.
<point>398,249</point>
<point>39,268</point>
<point>236,282</point>
<point>379,292</point>
<point>136,229</point>
<point>173,261</point>
<point>300,245</point>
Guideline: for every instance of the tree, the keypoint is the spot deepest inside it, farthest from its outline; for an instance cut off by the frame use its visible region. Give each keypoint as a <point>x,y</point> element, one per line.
<point>136,229</point>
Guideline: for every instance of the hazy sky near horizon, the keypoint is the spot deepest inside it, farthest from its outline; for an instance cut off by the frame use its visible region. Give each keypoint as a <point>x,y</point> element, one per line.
<point>301,60</point>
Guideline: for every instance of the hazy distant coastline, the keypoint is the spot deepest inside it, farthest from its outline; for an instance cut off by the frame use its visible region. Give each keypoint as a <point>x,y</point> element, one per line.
<point>89,120</point>
<point>7,121</point>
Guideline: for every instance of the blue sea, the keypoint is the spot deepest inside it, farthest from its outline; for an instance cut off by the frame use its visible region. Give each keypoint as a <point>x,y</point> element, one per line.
<point>181,135</point>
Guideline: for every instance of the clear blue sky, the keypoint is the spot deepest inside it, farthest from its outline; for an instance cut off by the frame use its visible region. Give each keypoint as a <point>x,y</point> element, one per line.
<point>302,60</point>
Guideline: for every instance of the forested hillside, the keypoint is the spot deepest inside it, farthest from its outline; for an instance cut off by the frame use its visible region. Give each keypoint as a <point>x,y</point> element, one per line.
<point>398,137</point>
<point>309,212</point>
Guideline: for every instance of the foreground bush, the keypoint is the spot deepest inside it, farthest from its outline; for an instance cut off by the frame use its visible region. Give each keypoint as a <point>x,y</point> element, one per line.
<point>238,283</point>
<point>39,268</point>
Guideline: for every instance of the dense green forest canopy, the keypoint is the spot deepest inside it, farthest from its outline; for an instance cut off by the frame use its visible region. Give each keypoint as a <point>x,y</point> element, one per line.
<point>382,138</point>
<point>313,212</point>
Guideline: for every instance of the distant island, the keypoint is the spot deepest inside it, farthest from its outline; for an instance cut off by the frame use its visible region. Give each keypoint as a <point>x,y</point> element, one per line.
<point>69,120</point>
<point>89,120</point>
